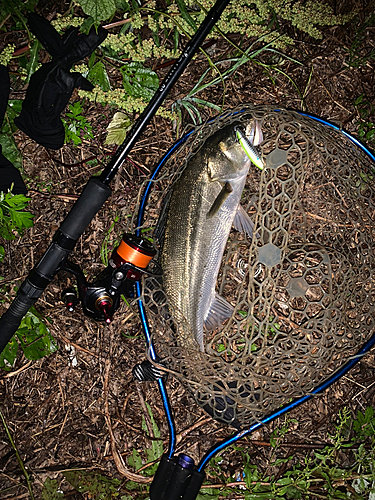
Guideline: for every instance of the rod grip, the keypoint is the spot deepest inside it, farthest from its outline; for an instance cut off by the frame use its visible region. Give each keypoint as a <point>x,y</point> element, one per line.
<point>86,207</point>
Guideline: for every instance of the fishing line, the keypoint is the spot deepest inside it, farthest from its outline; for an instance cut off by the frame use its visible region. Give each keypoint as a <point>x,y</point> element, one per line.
<point>297,401</point>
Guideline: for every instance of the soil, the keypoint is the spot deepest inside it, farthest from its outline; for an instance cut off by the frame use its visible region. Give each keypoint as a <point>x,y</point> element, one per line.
<point>80,407</point>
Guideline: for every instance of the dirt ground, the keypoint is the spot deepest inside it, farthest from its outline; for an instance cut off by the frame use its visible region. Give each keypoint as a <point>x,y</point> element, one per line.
<point>80,407</point>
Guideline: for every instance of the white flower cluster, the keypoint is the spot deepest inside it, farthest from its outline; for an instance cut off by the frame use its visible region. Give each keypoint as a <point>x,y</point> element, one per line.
<point>6,54</point>
<point>61,23</point>
<point>121,100</point>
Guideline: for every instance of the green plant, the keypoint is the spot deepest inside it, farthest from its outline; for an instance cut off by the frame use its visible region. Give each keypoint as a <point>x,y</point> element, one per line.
<point>9,148</point>
<point>34,338</point>
<point>104,248</point>
<point>13,219</point>
<point>76,126</point>
<point>94,485</point>
<point>18,456</point>
<point>164,29</point>
<point>17,10</point>
<point>365,109</point>
<point>360,51</point>
<point>152,454</point>
<point>191,103</point>
<point>314,477</point>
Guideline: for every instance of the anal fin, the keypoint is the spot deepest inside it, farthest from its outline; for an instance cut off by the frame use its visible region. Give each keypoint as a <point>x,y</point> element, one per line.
<point>243,223</point>
<point>219,311</point>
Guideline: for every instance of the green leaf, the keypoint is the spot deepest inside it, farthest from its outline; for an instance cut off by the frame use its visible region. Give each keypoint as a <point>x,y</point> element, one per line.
<point>98,10</point>
<point>34,337</point>
<point>185,14</point>
<point>135,460</point>
<point>251,474</point>
<point>10,150</point>
<point>139,81</point>
<point>11,215</point>
<point>21,219</point>
<point>13,109</point>
<point>284,481</point>
<point>118,128</point>
<point>257,496</point>
<point>156,450</point>
<point>9,354</point>
<point>98,487</point>
<point>87,25</point>
<point>51,490</point>
<point>98,76</point>
<point>212,494</point>
<point>38,348</point>
<point>33,63</point>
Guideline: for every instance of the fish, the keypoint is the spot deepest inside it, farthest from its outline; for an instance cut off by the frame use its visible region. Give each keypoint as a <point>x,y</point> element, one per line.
<point>203,205</point>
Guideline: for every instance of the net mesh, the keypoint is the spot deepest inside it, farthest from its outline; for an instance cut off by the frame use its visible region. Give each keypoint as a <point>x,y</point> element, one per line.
<point>302,288</point>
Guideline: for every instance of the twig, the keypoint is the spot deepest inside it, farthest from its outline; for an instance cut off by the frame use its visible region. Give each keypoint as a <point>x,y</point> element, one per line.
<point>325,88</point>
<point>18,497</point>
<point>62,428</point>
<point>80,348</point>
<point>63,197</point>
<point>180,436</point>
<point>19,459</point>
<point>145,410</point>
<point>12,374</point>
<point>304,446</point>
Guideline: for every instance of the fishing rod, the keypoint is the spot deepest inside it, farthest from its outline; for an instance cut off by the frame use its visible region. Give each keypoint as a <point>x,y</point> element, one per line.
<point>178,477</point>
<point>93,197</point>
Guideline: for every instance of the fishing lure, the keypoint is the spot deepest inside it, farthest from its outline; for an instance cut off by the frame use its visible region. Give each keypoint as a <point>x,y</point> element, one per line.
<point>250,150</point>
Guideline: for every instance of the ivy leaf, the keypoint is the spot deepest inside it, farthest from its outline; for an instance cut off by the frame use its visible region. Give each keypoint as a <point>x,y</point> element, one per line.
<point>9,354</point>
<point>98,76</point>
<point>139,81</point>
<point>98,10</point>
<point>35,338</point>
<point>118,128</point>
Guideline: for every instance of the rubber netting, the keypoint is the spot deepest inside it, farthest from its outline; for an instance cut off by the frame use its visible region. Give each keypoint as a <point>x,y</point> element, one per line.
<point>303,289</point>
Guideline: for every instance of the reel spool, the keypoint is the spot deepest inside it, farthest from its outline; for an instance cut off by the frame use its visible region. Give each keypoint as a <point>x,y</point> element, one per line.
<point>303,290</point>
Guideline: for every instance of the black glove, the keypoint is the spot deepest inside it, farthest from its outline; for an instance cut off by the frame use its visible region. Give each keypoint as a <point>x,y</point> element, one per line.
<point>8,173</point>
<point>52,85</point>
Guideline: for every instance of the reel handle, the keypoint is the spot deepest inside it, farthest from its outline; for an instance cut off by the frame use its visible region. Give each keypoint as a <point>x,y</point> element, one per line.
<point>101,298</point>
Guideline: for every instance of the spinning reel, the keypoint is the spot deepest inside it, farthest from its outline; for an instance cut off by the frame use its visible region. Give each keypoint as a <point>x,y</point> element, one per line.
<point>101,298</point>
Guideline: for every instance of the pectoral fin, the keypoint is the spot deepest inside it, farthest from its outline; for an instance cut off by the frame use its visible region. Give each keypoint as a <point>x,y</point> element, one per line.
<point>219,311</point>
<point>243,223</point>
<point>220,199</point>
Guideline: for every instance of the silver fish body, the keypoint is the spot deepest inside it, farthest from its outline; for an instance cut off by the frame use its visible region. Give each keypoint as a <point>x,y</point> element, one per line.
<point>202,207</point>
